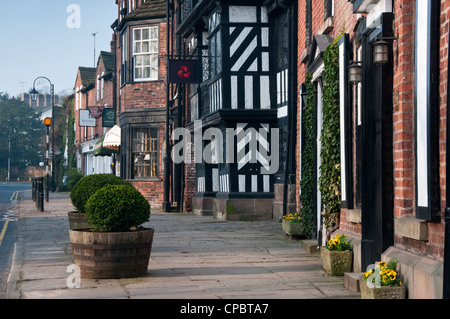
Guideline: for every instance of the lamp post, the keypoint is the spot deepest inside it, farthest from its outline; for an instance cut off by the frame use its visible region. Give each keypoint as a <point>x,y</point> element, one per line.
<point>34,94</point>
<point>47,123</point>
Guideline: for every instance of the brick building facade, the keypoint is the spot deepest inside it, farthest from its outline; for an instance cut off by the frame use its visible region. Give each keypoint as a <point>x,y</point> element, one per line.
<point>94,92</point>
<point>393,129</point>
<point>140,33</point>
<point>254,58</point>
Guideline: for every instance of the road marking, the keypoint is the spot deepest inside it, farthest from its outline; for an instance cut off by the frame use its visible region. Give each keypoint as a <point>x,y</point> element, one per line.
<point>15,195</point>
<point>3,231</point>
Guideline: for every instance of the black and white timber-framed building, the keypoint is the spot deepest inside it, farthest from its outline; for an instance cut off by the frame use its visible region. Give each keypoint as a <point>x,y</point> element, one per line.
<point>248,57</point>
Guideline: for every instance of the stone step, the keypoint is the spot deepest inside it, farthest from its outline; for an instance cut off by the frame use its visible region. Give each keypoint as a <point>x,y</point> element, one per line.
<point>310,245</point>
<point>351,281</point>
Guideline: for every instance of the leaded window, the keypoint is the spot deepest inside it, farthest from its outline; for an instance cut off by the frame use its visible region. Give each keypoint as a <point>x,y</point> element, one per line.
<point>145,152</point>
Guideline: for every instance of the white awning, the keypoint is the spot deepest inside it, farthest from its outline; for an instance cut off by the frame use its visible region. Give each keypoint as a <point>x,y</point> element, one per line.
<point>112,138</point>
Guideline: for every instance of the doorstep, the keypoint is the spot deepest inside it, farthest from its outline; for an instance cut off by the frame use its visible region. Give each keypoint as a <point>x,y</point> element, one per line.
<point>310,245</point>
<point>351,281</point>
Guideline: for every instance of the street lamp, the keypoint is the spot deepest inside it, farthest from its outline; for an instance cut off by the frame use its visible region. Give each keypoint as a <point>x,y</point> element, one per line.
<point>34,94</point>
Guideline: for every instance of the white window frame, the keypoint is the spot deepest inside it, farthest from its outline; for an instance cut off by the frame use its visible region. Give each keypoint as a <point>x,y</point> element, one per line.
<point>152,55</point>
<point>98,87</point>
<point>102,86</point>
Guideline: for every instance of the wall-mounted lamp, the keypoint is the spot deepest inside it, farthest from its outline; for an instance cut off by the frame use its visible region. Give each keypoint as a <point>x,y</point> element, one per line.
<point>380,52</point>
<point>354,72</point>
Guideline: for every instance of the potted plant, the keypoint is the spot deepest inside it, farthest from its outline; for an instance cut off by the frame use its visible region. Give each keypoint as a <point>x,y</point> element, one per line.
<point>292,225</point>
<point>116,246</point>
<point>383,282</point>
<point>337,256</point>
<point>81,193</point>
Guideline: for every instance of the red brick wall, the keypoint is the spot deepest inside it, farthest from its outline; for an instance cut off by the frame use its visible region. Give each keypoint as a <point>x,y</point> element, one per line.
<point>404,173</point>
<point>153,191</point>
<point>343,21</point>
<point>404,108</point>
<point>190,182</point>
<point>148,94</point>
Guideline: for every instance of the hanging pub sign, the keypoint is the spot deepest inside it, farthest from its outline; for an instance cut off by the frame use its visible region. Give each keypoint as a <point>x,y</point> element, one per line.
<point>86,119</point>
<point>183,71</point>
<point>96,111</point>
<point>108,119</point>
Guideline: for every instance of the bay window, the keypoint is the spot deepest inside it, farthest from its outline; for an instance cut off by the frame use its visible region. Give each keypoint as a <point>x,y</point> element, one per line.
<point>145,152</point>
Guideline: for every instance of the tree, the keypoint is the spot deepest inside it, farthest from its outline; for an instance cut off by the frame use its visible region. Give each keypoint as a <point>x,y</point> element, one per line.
<point>22,127</point>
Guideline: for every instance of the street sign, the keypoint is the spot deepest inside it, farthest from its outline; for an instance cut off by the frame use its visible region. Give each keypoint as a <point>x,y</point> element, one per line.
<point>86,119</point>
<point>183,71</point>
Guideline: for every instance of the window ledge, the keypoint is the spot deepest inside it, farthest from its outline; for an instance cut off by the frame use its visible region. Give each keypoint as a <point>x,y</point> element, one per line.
<point>354,216</point>
<point>305,55</point>
<point>145,179</point>
<point>411,228</point>
<point>327,26</point>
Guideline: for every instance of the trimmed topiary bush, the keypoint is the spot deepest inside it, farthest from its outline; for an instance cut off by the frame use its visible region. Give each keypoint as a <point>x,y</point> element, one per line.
<point>88,185</point>
<point>117,208</point>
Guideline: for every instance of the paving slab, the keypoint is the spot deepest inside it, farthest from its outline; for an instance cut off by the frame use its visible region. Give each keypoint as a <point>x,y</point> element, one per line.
<point>193,257</point>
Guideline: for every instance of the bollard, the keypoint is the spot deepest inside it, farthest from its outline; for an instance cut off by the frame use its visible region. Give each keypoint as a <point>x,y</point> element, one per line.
<point>33,190</point>
<point>36,195</point>
<point>47,188</point>
<point>40,193</point>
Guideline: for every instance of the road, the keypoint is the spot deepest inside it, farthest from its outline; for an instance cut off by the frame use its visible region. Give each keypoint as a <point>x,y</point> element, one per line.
<point>10,193</point>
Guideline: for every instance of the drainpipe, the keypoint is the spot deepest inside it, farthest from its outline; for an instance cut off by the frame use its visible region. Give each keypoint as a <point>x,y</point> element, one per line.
<point>288,131</point>
<point>166,202</point>
<point>446,283</point>
<point>290,139</point>
<point>180,112</point>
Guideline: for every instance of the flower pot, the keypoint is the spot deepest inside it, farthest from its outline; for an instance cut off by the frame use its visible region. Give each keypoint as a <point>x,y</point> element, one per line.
<point>383,292</point>
<point>78,220</point>
<point>104,255</point>
<point>292,229</point>
<point>336,263</point>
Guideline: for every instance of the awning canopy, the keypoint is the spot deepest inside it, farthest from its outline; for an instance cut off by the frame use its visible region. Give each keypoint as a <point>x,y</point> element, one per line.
<point>112,138</point>
<point>100,150</point>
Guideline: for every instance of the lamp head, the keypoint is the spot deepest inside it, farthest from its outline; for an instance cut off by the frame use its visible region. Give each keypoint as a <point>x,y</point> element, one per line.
<point>48,121</point>
<point>34,94</point>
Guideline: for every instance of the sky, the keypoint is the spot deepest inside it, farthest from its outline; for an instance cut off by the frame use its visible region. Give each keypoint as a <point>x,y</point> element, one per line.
<point>51,38</point>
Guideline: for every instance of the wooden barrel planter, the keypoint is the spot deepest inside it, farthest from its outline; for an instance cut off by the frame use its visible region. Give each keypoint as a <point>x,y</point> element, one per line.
<point>78,220</point>
<point>103,255</point>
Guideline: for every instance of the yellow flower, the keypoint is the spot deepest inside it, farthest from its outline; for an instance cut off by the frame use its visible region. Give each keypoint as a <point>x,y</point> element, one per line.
<point>334,241</point>
<point>382,264</point>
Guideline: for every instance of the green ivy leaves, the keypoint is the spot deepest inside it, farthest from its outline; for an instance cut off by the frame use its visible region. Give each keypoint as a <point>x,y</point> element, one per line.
<point>330,168</point>
<point>307,182</point>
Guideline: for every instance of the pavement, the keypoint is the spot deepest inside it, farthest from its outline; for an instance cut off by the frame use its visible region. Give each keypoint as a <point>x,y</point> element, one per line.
<point>193,257</point>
